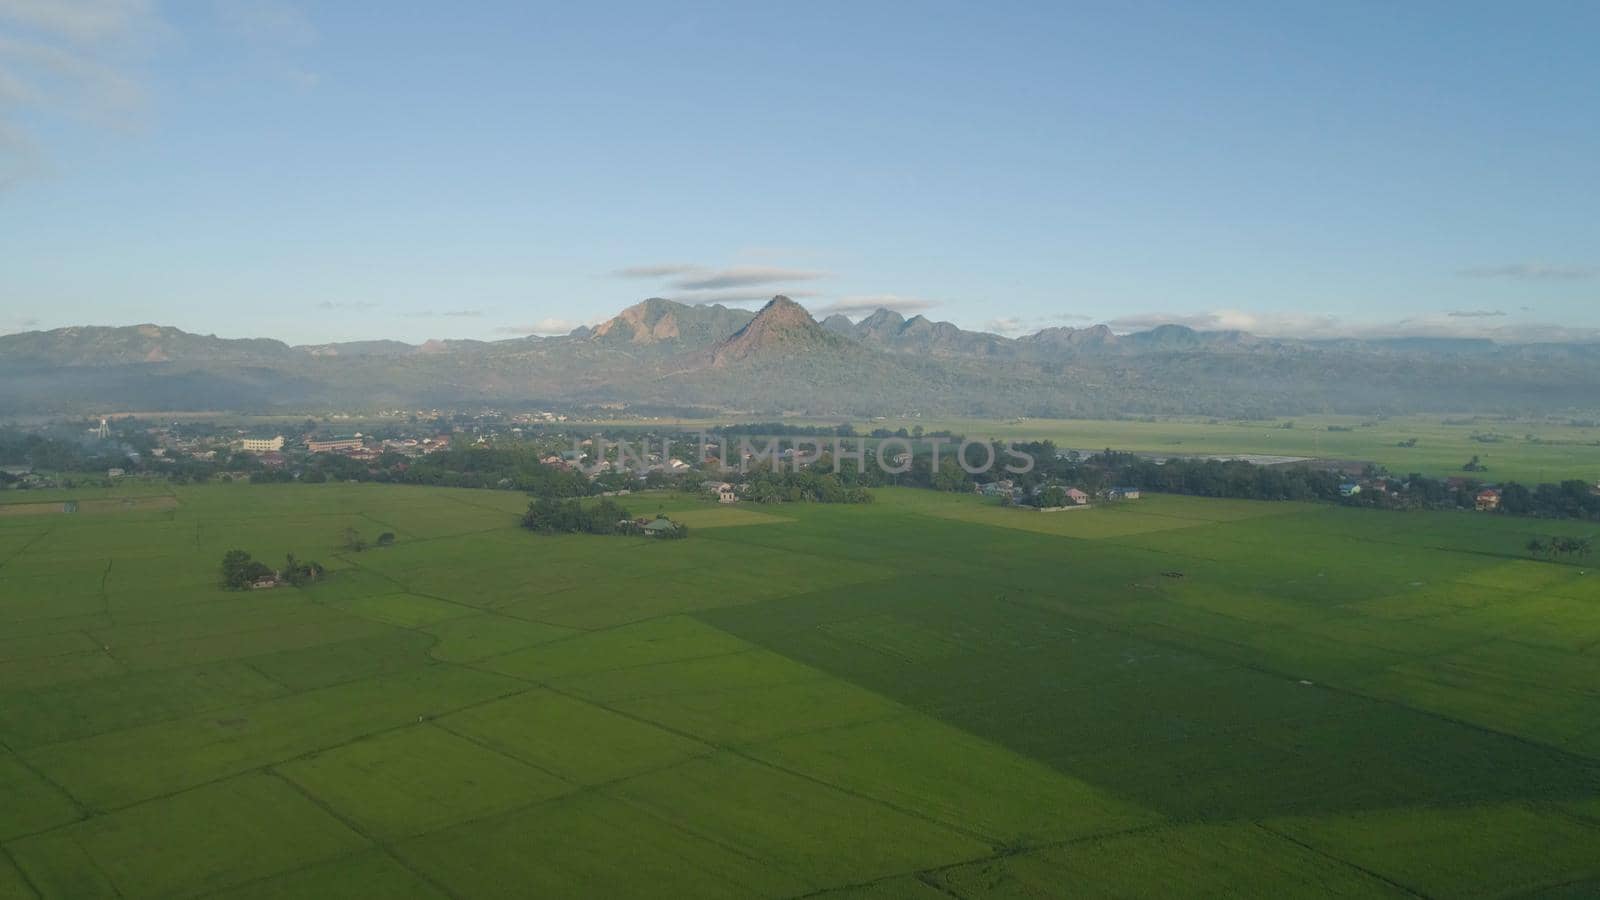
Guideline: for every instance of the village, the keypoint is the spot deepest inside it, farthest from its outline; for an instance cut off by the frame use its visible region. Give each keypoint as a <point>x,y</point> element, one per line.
<point>544,454</point>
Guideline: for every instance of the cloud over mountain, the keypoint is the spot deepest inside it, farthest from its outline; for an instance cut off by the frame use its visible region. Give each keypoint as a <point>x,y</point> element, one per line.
<point>734,295</point>
<point>656,270</point>
<point>1533,272</point>
<point>545,326</point>
<point>869,303</point>
<point>746,276</point>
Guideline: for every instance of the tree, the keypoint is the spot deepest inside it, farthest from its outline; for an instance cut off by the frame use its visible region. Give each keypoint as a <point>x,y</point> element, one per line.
<point>1535,547</point>
<point>299,573</point>
<point>239,570</point>
<point>386,539</point>
<point>551,516</point>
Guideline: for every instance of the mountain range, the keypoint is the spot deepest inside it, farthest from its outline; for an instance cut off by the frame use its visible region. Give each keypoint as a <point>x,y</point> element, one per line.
<point>663,355</point>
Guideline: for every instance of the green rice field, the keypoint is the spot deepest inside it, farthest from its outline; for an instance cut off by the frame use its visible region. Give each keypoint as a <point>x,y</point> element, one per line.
<point>927,696</point>
<point>1529,451</point>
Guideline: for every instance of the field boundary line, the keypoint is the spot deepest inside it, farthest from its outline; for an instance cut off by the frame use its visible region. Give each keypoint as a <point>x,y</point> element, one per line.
<point>27,546</point>
<point>243,631</point>
<point>404,588</point>
<point>262,879</point>
<point>249,664</point>
<point>63,655</point>
<point>645,665</point>
<point>377,521</point>
<point>1370,873</point>
<point>1006,853</point>
<point>105,598</point>
<point>585,632</point>
<point>990,839</point>
<point>245,661</point>
<point>359,830</point>
<point>934,884</point>
<point>263,767</point>
<point>1543,889</point>
<point>479,742</point>
<point>579,790</point>
<point>465,502</point>
<point>407,589</point>
<point>1584,819</point>
<point>734,750</point>
<point>1570,755</point>
<point>79,806</point>
<point>27,880</point>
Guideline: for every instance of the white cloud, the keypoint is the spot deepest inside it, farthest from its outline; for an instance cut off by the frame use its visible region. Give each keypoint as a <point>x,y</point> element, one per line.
<point>276,35</point>
<point>449,313</point>
<point>657,270</point>
<point>693,283</point>
<point>862,305</point>
<point>10,326</point>
<point>78,20</point>
<point>546,326</point>
<point>1016,326</point>
<point>1533,272</point>
<point>1471,324</point>
<point>1273,324</point>
<point>267,21</point>
<point>736,297</point>
<point>20,157</point>
<point>72,59</point>
<point>746,276</point>
<point>352,305</point>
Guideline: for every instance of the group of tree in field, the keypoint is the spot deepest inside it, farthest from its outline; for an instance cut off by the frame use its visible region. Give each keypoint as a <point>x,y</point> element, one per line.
<point>1241,479</point>
<point>1049,497</point>
<point>815,485</point>
<point>844,430</point>
<point>1560,546</point>
<point>515,467</point>
<point>240,571</point>
<point>550,515</point>
<point>355,543</point>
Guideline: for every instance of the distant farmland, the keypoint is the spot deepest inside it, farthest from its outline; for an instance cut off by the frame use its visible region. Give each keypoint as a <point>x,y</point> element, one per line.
<point>1530,451</point>
<point>924,697</point>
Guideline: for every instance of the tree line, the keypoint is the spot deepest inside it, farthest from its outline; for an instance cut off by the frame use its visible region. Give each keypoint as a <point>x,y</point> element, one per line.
<point>240,570</point>
<point>549,515</point>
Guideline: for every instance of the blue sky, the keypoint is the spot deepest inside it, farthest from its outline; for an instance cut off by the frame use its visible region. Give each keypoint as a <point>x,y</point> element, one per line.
<point>331,171</point>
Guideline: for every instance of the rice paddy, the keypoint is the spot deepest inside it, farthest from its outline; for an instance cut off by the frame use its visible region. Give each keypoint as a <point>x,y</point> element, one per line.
<point>925,696</point>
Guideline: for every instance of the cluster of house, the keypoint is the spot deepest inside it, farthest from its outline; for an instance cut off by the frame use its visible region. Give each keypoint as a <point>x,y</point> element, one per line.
<point>26,477</point>
<point>653,462</point>
<point>724,492</point>
<point>356,446</point>
<point>1487,498</point>
<point>660,526</point>
<point>1005,488</point>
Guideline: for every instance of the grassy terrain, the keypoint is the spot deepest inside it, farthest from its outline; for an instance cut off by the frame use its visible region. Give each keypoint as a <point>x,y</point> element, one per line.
<point>1528,451</point>
<point>924,697</point>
